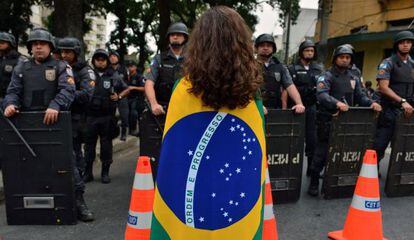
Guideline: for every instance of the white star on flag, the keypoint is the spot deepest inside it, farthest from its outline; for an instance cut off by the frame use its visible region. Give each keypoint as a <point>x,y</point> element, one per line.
<point>226,165</point>
<point>238,170</point>
<point>244,140</point>
<point>233,120</point>
<point>245,147</point>
<point>221,171</point>
<point>231,202</point>
<point>221,209</point>
<point>207,157</point>
<point>238,126</point>
<point>201,219</point>
<point>190,153</point>
<point>248,140</point>
<point>213,195</point>
<point>250,152</point>
<point>254,139</point>
<point>232,129</point>
<point>244,134</point>
<point>244,157</point>
<point>237,204</point>
<point>225,214</point>
<point>242,195</point>
<point>230,219</point>
<point>242,129</point>
<point>227,179</point>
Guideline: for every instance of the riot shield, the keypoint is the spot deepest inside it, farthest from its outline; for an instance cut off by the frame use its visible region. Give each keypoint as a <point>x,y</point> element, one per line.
<point>285,144</point>
<point>151,128</point>
<point>400,178</point>
<point>38,183</point>
<point>351,133</point>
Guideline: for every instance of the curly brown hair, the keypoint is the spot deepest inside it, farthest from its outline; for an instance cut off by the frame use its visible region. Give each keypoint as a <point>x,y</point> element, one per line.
<point>219,60</point>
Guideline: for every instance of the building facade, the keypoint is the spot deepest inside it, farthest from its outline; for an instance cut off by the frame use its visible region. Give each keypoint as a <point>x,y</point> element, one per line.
<point>368,25</point>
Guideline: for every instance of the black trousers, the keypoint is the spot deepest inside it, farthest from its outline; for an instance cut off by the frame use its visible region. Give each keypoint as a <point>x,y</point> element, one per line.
<point>323,127</point>
<point>385,130</point>
<point>123,109</point>
<point>99,127</point>
<point>136,107</point>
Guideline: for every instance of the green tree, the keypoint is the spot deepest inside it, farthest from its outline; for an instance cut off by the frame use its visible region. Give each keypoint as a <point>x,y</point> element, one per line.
<point>15,17</point>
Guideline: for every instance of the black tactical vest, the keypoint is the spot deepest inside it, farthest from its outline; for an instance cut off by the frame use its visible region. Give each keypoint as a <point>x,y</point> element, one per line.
<point>271,88</point>
<point>80,70</point>
<point>101,103</point>
<point>7,64</point>
<point>40,82</point>
<point>169,72</point>
<point>342,88</point>
<point>305,81</point>
<point>402,78</point>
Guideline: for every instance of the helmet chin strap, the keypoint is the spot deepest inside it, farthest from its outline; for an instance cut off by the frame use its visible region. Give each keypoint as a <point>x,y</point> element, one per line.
<point>266,55</point>
<point>176,45</point>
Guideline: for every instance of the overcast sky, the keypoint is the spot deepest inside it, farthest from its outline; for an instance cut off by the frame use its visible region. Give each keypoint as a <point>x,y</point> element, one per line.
<point>268,19</point>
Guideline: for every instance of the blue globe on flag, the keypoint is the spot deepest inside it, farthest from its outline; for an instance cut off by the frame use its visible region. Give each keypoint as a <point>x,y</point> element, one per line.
<point>209,176</point>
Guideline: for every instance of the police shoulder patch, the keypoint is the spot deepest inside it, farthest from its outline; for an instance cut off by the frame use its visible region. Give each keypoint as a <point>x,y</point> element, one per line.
<point>71,81</point>
<point>92,75</point>
<point>69,70</point>
<point>321,78</point>
<point>381,72</point>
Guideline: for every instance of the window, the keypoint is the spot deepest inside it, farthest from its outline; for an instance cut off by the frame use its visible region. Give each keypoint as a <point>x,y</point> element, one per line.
<point>401,24</point>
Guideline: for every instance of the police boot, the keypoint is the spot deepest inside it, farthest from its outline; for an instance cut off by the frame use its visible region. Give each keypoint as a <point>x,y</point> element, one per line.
<point>88,174</point>
<point>123,134</point>
<point>313,189</point>
<point>84,214</point>
<point>105,173</point>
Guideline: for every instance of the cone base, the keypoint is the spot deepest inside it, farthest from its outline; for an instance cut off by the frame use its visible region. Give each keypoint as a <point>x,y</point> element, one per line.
<point>338,235</point>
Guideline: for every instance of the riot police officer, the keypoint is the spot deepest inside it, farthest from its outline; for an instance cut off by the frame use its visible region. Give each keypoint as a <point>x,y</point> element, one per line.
<point>396,84</point>
<point>165,69</point>
<point>70,49</point>
<point>101,121</point>
<point>8,60</point>
<point>275,75</point>
<point>135,97</point>
<point>354,69</point>
<point>44,84</point>
<point>305,73</point>
<point>123,102</point>
<point>337,89</point>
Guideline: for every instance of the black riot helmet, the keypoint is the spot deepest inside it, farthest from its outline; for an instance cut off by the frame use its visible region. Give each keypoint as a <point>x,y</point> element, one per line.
<point>7,37</point>
<point>343,49</point>
<point>403,35</point>
<point>40,34</point>
<point>265,37</point>
<point>100,53</point>
<point>307,44</point>
<point>70,43</point>
<point>178,27</point>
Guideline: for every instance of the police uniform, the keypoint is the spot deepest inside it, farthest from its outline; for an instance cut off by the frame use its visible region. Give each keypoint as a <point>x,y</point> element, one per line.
<point>101,120</point>
<point>7,64</point>
<point>123,107</point>
<point>135,100</point>
<point>333,86</point>
<point>305,81</point>
<point>401,80</point>
<point>85,84</point>
<point>165,70</point>
<point>275,77</point>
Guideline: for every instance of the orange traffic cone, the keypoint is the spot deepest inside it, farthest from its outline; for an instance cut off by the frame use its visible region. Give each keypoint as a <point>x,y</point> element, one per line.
<point>142,200</point>
<point>364,220</point>
<point>269,220</point>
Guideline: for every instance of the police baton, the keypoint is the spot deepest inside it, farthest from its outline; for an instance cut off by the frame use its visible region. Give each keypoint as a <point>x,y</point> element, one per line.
<point>19,134</point>
<point>155,118</point>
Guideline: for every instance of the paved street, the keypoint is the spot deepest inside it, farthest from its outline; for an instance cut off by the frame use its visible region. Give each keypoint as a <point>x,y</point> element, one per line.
<point>307,219</point>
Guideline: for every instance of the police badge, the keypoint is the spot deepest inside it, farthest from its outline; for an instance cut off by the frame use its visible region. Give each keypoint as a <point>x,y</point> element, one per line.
<point>50,74</point>
<point>353,82</point>
<point>8,68</point>
<point>277,76</point>
<point>107,84</point>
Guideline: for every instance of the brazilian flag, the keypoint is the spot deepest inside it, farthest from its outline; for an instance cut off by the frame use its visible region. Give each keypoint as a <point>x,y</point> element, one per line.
<point>211,175</point>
